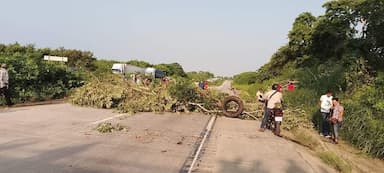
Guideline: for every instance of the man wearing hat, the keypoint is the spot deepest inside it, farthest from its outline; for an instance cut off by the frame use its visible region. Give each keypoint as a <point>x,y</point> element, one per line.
<point>4,84</point>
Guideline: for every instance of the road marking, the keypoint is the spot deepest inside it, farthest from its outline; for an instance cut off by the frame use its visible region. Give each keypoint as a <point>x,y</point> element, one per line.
<point>208,130</point>
<point>107,119</point>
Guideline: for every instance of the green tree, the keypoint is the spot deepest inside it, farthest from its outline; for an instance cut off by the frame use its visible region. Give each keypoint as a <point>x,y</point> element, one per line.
<point>246,78</point>
<point>173,69</point>
<point>76,58</point>
<point>139,63</point>
<point>300,37</point>
<point>200,75</point>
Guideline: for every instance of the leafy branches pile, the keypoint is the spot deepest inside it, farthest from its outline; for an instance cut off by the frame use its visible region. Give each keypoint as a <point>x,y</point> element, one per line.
<point>109,128</point>
<point>114,92</point>
<point>127,97</point>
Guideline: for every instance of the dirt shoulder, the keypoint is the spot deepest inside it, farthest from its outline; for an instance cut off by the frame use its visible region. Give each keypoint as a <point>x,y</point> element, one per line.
<point>342,156</point>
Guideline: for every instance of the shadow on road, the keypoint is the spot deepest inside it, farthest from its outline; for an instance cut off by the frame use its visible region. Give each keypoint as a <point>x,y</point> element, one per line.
<point>44,162</point>
<point>260,166</point>
<point>15,145</point>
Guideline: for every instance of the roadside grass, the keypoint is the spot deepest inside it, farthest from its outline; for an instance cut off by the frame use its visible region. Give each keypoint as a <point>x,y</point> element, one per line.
<point>304,137</point>
<point>335,161</point>
<point>247,92</point>
<point>298,127</point>
<point>307,138</point>
<point>217,82</point>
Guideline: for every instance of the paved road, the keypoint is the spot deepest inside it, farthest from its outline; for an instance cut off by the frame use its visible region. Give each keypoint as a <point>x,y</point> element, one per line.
<point>61,139</point>
<point>236,146</point>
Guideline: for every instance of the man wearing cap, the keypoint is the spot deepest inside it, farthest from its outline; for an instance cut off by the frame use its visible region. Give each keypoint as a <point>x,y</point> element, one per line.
<point>272,98</point>
<point>4,84</point>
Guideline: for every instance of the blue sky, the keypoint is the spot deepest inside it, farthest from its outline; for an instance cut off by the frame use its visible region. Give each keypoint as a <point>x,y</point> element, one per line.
<point>221,36</point>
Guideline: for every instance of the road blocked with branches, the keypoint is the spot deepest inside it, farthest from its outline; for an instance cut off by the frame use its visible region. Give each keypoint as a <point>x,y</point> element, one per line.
<point>65,138</point>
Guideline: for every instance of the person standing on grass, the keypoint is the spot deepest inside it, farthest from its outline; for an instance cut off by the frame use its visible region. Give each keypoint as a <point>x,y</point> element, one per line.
<point>201,85</point>
<point>336,119</point>
<point>325,110</point>
<point>259,95</point>
<point>205,84</point>
<point>290,87</point>
<point>272,98</point>
<point>4,85</point>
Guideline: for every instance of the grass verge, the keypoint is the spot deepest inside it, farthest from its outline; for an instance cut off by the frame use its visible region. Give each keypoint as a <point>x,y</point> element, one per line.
<point>303,137</point>
<point>335,161</point>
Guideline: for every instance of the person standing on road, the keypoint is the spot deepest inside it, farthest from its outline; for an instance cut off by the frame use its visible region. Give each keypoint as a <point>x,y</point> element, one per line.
<point>325,110</point>
<point>336,119</point>
<point>4,85</point>
<point>272,98</point>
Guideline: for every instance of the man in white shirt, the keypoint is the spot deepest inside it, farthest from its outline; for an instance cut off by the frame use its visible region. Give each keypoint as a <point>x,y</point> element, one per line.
<point>4,88</point>
<point>325,110</point>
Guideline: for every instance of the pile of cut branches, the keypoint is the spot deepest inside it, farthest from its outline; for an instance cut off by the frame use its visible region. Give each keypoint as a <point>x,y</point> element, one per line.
<point>113,92</point>
<point>127,97</point>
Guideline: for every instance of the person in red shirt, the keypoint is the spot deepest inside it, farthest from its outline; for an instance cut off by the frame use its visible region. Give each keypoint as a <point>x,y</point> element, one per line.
<point>291,87</point>
<point>205,84</point>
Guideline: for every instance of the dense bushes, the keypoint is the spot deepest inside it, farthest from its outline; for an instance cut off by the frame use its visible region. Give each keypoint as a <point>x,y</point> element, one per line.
<point>246,78</point>
<point>200,76</point>
<point>32,78</point>
<point>341,50</point>
<point>364,121</point>
<point>172,69</point>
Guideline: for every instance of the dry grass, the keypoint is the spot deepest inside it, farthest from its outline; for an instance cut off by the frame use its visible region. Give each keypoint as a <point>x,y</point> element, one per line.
<point>335,161</point>
<point>305,137</point>
<point>343,157</point>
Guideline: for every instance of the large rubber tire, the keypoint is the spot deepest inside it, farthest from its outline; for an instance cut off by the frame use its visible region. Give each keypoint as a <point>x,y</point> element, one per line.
<point>240,107</point>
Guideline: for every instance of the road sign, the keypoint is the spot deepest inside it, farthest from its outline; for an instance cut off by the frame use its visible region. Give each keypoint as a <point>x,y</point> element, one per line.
<point>55,58</point>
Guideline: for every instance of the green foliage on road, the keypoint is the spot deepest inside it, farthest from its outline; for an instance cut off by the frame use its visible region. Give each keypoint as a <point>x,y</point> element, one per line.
<point>109,128</point>
<point>342,50</point>
<point>113,92</point>
<point>185,91</point>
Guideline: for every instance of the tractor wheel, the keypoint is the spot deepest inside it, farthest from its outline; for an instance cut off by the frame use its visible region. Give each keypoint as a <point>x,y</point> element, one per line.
<point>227,110</point>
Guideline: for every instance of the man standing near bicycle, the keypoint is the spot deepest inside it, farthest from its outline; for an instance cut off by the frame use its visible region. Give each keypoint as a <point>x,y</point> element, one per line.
<point>272,99</point>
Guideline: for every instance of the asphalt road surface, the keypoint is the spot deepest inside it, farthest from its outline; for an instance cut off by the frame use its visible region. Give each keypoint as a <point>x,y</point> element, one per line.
<point>61,139</point>
<point>236,146</point>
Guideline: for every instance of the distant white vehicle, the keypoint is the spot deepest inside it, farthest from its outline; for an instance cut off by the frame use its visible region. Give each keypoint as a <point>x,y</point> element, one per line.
<point>128,69</point>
